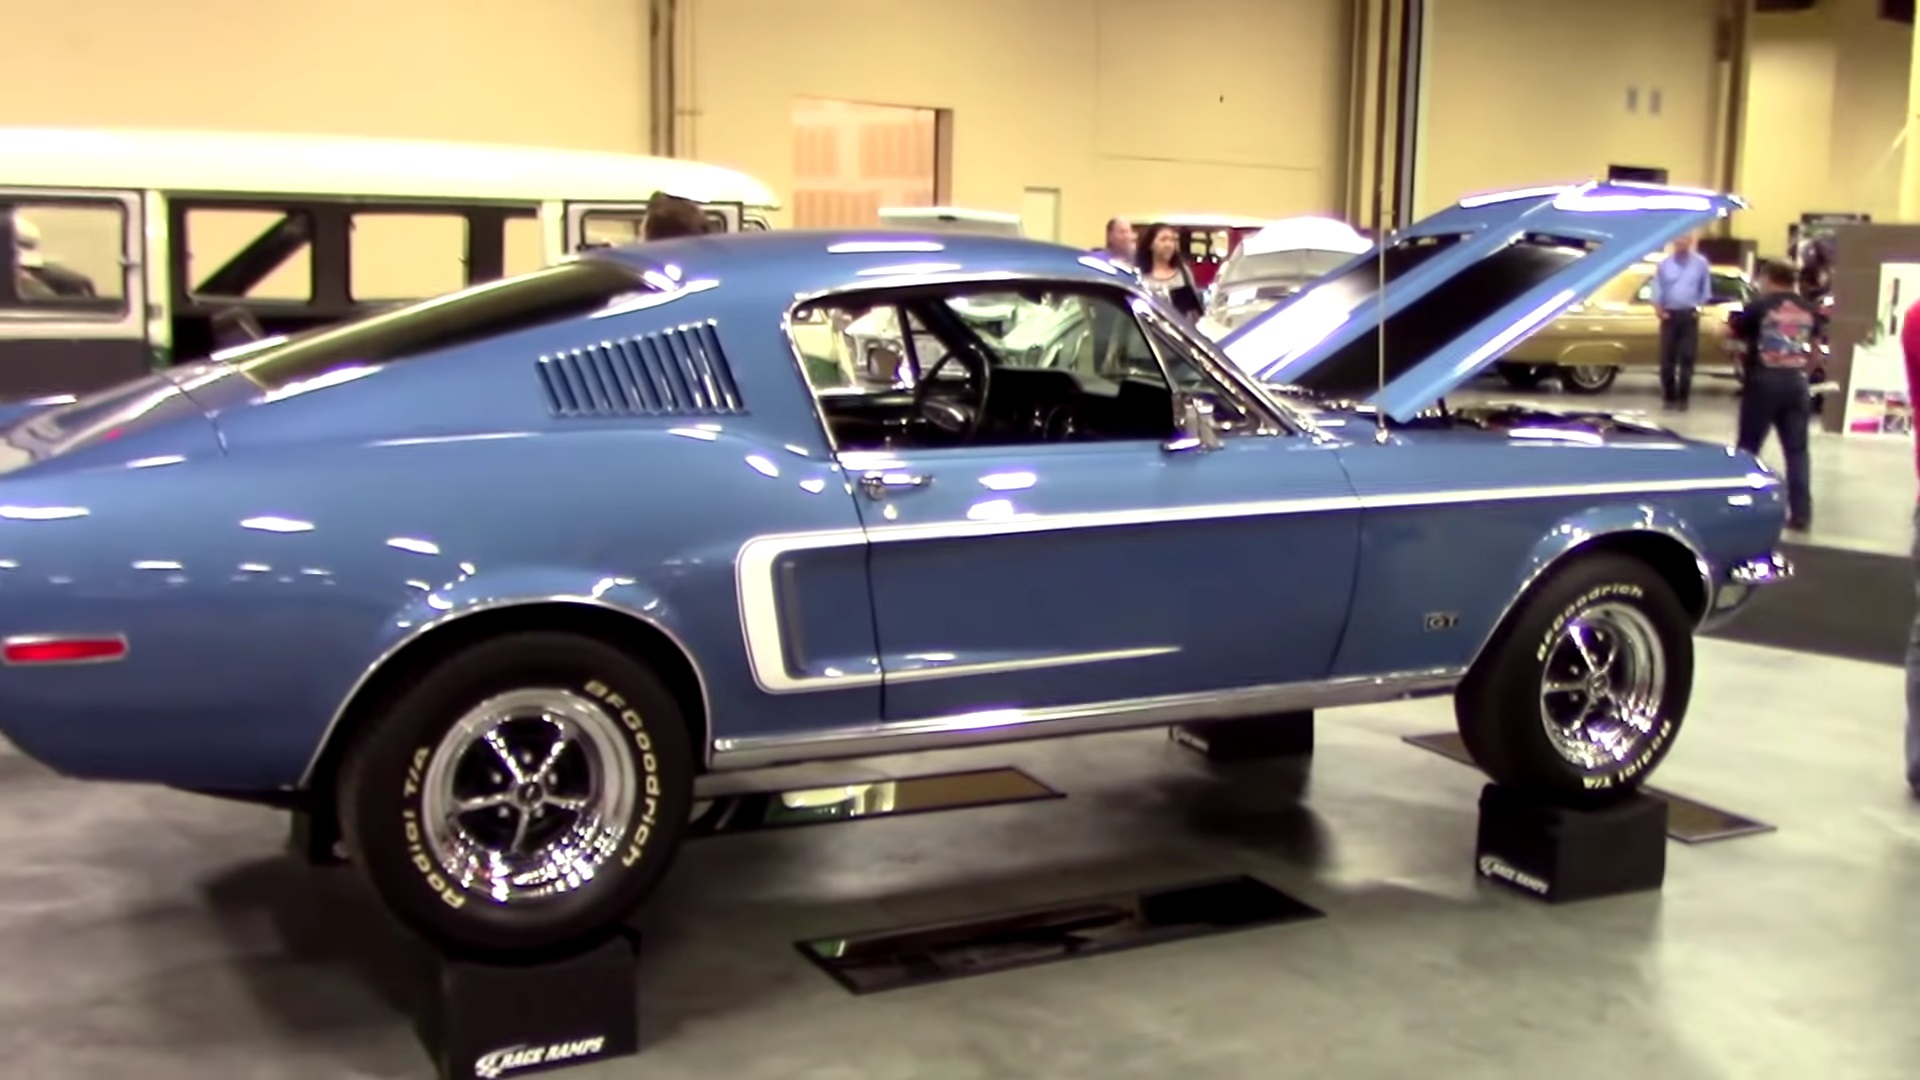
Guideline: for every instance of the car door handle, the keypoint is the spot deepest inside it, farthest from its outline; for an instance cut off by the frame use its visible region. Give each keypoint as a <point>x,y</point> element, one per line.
<point>876,485</point>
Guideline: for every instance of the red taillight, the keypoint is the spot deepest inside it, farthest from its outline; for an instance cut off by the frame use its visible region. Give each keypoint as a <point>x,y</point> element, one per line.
<point>41,649</point>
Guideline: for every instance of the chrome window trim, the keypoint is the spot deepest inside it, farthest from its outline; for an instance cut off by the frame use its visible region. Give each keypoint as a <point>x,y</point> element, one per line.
<point>1211,359</point>
<point>1268,422</point>
<point>1216,365</point>
<point>439,621</point>
<point>757,586</point>
<point>1006,725</point>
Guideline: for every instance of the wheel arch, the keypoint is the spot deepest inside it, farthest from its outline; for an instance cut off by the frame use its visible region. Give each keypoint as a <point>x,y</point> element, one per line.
<point>1663,546</point>
<point>1604,353</point>
<point>634,633</point>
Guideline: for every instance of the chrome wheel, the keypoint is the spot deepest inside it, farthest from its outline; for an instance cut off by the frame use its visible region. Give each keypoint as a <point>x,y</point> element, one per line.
<point>1587,378</point>
<point>528,795</point>
<point>1603,685</point>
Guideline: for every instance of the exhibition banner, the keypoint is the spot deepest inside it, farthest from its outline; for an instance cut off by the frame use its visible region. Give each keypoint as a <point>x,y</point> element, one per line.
<point>1878,399</point>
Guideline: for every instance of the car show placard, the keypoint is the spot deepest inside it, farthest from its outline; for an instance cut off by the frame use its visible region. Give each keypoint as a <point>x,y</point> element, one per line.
<point>1879,401</point>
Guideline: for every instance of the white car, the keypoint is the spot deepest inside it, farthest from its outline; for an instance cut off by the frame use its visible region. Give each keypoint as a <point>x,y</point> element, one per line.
<point>1275,263</point>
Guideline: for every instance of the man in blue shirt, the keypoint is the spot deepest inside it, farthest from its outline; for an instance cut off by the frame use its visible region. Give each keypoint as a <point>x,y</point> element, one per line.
<point>1682,285</point>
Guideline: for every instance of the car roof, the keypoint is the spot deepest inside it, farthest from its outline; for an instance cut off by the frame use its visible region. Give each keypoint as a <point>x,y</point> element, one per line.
<point>797,263</point>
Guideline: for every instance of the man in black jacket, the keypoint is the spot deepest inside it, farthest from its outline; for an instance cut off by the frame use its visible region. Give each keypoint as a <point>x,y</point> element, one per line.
<point>1777,330</point>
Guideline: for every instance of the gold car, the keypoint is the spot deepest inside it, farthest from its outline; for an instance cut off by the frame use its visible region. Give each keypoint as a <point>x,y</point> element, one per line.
<point>1589,343</point>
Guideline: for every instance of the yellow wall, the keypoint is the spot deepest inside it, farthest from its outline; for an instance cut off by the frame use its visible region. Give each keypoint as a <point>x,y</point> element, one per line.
<point>1524,92</point>
<point>1126,106</point>
<point>565,73</point>
<point>560,73</point>
<point>1827,97</point>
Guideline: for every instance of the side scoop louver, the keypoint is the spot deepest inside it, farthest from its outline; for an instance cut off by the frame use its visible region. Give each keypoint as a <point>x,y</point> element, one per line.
<point>678,372</point>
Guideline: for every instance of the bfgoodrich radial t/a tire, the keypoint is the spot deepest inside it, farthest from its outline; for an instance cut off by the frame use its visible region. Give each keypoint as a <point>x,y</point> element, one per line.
<point>1581,693</point>
<point>523,797</point>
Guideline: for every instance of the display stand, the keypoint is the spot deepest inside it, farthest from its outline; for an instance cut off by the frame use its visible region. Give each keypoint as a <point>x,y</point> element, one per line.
<point>489,1021</point>
<point>1255,738</point>
<point>1559,854</point>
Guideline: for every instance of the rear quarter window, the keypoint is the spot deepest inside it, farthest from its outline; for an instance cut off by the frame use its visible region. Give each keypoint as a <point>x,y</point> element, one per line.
<point>501,307</point>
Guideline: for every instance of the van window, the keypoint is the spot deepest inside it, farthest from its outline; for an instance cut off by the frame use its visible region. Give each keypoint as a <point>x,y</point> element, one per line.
<point>482,311</point>
<point>70,257</point>
<point>406,256</point>
<point>619,228</point>
<point>525,246</point>
<point>235,253</point>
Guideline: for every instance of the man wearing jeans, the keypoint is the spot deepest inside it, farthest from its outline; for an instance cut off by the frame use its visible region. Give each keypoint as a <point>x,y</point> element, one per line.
<point>1777,331</point>
<point>1682,285</point>
<point>1910,345</point>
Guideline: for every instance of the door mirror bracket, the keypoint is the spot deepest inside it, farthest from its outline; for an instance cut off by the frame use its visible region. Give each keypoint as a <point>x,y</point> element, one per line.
<point>1198,427</point>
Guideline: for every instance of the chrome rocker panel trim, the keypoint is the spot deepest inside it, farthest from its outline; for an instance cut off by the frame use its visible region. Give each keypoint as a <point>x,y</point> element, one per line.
<point>1008,725</point>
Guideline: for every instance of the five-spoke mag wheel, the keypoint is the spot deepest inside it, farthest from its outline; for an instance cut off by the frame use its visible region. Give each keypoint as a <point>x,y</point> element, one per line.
<point>1581,691</point>
<point>520,797</point>
<point>1603,685</point>
<point>528,794</point>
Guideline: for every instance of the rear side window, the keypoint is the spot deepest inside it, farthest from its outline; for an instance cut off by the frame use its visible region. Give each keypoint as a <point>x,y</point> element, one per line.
<point>483,311</point>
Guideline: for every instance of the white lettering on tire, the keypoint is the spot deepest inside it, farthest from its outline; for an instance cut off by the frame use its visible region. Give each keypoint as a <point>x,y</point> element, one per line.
<point>411,832</point>
<point>649,768</point>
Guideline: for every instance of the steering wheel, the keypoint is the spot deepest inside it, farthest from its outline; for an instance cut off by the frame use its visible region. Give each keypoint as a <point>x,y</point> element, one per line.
<point>955,415</point>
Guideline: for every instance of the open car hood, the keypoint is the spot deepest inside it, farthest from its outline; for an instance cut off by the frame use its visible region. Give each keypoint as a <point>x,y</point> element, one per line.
<point>1463,287</point>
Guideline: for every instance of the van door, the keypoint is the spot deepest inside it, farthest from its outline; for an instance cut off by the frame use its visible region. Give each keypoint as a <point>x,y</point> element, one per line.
<point>73,298</point>
<point>607,224</point>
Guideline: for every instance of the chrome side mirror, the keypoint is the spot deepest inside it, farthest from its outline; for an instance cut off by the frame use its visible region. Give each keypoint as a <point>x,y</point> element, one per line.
<point>1198,428</point>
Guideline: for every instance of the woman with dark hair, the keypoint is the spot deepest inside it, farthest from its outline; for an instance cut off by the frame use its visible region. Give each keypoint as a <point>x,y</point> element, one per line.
<point>1163,270</point>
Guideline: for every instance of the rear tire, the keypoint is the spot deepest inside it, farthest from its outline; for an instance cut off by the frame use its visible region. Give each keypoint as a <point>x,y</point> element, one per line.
<point>1587,378</point>
<point>1579,695</point>
<point>522,797</point>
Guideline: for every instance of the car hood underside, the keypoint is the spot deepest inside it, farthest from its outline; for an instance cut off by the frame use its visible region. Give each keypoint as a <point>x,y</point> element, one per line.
<point>1405,324</point>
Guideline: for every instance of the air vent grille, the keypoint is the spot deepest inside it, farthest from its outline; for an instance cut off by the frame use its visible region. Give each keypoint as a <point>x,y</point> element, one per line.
<point>678,372</point>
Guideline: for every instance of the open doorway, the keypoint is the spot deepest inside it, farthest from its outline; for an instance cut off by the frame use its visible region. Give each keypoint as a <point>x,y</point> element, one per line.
<point>851,158</point>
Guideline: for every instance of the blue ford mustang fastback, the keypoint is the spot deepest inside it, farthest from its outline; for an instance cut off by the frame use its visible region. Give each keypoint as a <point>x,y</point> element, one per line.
<point>489,579</point>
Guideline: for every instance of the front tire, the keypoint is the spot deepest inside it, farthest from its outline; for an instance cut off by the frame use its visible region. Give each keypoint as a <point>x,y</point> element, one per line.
<point>522,797</point>
<point>1580,694</point>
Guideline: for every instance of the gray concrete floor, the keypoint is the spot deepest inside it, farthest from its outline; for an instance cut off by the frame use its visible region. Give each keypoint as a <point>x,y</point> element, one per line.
<point>154,934</point>
<point>161,935</point>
